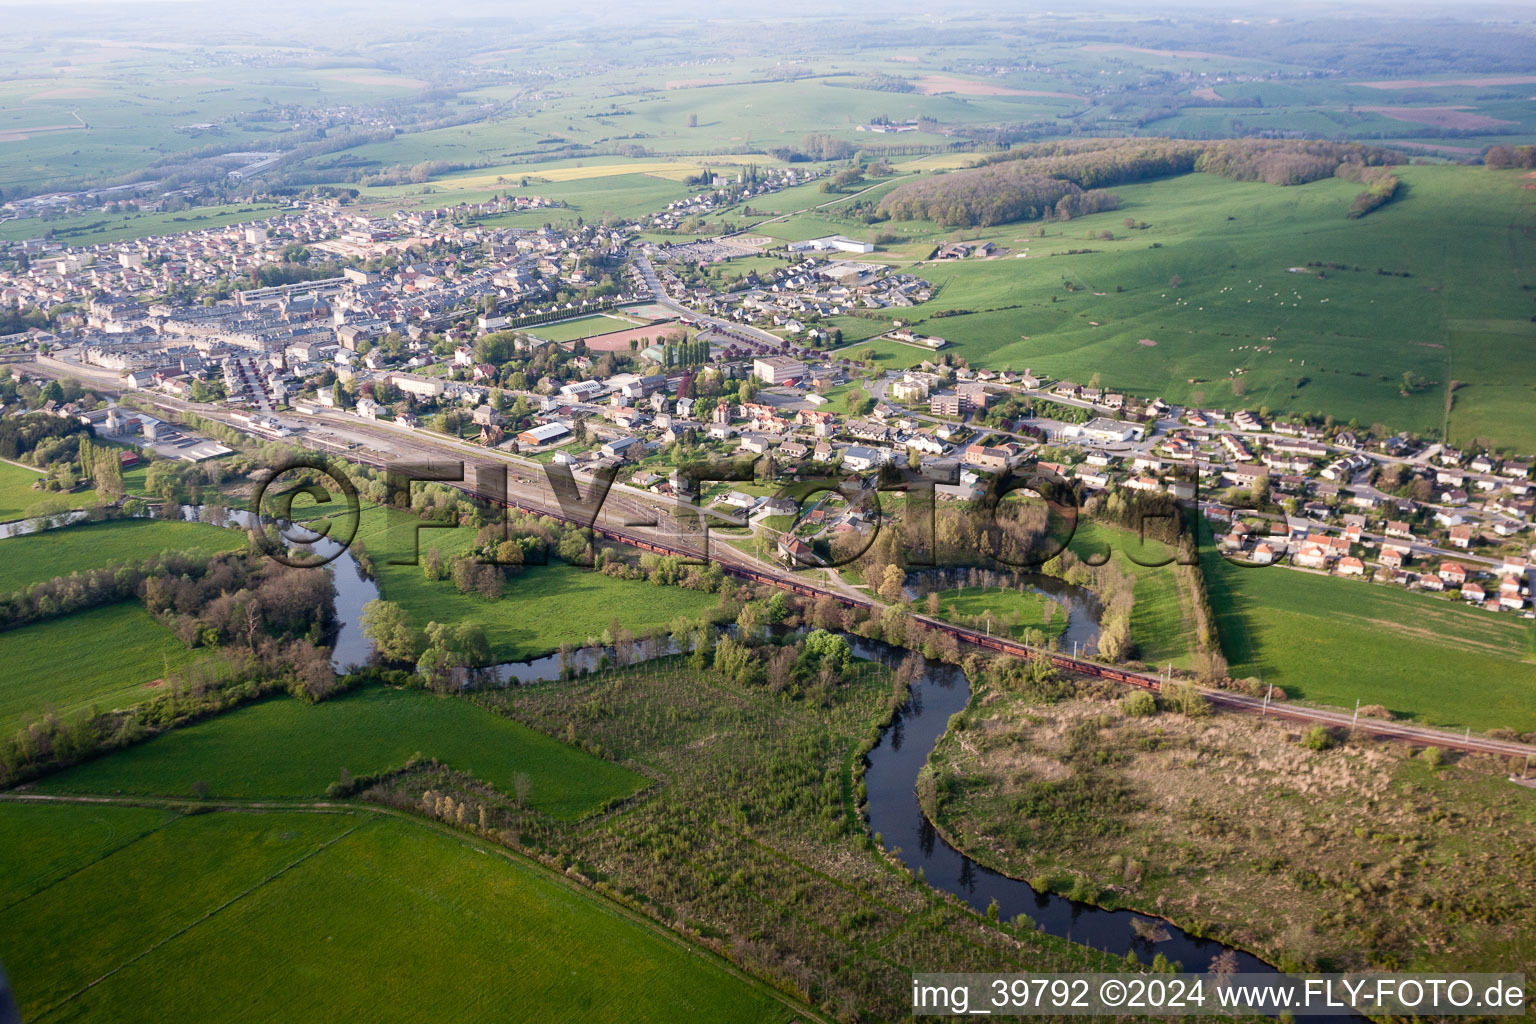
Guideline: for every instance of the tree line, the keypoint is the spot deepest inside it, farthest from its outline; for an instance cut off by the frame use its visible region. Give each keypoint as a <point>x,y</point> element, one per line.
<point>992,194</point>
<point>1063,179</point>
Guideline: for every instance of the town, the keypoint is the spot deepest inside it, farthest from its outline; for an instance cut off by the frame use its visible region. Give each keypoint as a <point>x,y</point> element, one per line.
<point>586,347</point>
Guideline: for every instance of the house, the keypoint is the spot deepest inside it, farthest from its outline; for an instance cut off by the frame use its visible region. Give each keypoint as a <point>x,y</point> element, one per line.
<point>1311,556</point>
<point>1351,566</point>
<point>486,416</point>
<point>1473,592</point>
<point>860,458</point>
<point>987,457</point>
<point>1461,537</point>
<point>1515,566</point>
<point>1452,573</point>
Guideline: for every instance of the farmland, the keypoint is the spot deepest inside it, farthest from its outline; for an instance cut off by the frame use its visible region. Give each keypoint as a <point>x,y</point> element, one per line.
<point>208,896</point>
<point>282,747</point>
<point>58,663</point>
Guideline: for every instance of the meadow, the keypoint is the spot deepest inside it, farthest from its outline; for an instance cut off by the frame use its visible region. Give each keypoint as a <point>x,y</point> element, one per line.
<point>35,557</point>
<point>97,227</point>
<point>1162,623</point>
<point>104,657</point>
<point>1331,641</point>
<point>284,748</point>
<point>998,607</point>
<point>17,495</point>
<point>207,897</point>
<point>1219,281</point>
<point>540,609</point>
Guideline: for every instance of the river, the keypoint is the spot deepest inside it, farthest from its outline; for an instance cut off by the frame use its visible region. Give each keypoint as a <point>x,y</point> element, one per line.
<point>891,774</point>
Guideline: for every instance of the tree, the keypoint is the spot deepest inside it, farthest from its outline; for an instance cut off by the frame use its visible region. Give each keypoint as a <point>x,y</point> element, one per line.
<point>385,623</point>
<point>892,581</point>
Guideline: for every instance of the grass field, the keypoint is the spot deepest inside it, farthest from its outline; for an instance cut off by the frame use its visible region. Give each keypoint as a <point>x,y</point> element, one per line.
<point>1242,330</point>
<point>962,604</point>
<point>283,747</point>
<point>581,327</point>
<point>97,227</point>
<point>540,609</point>
<point>278,914</point>
<point>17,495</point>
<point>104,657</point>
<point>42,556</point>
<point>1330,641</point>
<point>1162,624</point>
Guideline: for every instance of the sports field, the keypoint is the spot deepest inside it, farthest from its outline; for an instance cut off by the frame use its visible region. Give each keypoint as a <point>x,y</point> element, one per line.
<point>282,747</point>
<point>276,914</point>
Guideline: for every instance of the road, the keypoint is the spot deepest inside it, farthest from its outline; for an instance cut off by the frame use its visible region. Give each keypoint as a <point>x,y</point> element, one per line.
<point>729,327</point>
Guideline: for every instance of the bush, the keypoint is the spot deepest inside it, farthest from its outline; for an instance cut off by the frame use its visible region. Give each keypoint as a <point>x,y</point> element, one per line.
<point>1187,700</point>
<point>1139,704</point>
<point>1317,738</point>
<point>1433,756</point>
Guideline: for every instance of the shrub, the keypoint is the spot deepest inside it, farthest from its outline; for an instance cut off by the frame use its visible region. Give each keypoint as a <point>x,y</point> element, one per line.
<point>1317,738</point>
<point>1139,704</point>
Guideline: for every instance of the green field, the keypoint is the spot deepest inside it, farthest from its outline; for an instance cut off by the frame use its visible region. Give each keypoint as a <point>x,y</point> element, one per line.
<point>104,656</point>
<point>997,607</point>
<point>97,227</point>
<point>42,556</point>
<point>581,327</point>
<point>1242,330</point>
<point>277,915</point>
<point>1331,641</point>
<point>17,494</point>
<point>283,747</point>
<point>1161,623</point>
<point>541,608</point>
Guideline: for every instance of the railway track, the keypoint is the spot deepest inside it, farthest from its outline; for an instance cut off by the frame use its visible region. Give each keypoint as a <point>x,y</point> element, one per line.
<point>734,564</point>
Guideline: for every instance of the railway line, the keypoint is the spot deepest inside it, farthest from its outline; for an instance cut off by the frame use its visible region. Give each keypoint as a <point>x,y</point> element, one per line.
<point>736,564</point>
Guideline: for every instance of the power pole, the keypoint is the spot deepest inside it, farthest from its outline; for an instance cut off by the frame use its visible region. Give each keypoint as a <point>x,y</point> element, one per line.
<point>1354,721</point>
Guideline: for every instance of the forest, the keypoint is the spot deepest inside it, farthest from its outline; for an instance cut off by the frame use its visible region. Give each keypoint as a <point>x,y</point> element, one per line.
<point>996,194</point>
<point>1065,179</point>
